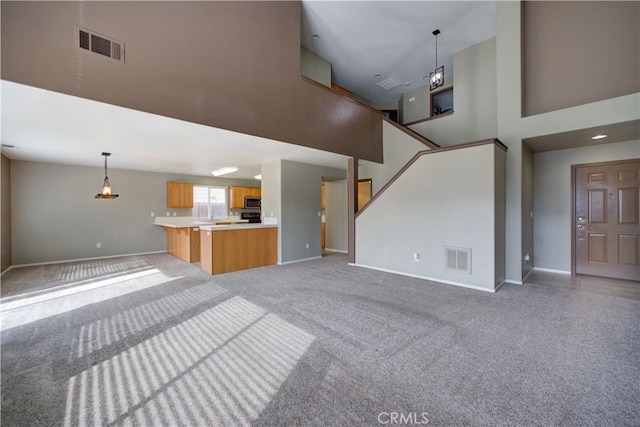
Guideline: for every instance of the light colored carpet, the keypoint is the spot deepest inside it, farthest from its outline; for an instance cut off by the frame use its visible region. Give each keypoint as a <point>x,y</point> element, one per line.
<point>154,341</point>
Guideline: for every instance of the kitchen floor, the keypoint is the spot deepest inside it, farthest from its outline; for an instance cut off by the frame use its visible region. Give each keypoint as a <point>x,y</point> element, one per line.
<point>154,340</point>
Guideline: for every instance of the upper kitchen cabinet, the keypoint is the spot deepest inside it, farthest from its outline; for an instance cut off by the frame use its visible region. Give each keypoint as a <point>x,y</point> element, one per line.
<point>179,195</point>
<point>238,194</point>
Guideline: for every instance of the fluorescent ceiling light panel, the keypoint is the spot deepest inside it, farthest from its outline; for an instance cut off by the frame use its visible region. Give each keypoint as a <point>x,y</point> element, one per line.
<point>224,171</point>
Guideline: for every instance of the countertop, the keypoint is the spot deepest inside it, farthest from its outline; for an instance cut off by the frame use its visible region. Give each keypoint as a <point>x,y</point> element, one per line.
<point>188,222</point>
<point>235,227</point>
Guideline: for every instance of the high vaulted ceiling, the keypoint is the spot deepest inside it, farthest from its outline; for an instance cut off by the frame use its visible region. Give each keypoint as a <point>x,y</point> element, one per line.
<point>392,38</point>
<point>360,38</point>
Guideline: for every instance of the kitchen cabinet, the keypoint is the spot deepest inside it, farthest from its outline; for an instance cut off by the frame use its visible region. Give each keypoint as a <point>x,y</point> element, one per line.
<point>184,243</point>
<point>230,249</point>
<point>179,195</point>
<point>237,195</point>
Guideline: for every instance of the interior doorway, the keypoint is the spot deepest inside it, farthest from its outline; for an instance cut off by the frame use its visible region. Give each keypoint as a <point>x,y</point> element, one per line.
<point>606,219</point>
<point>364,192</point>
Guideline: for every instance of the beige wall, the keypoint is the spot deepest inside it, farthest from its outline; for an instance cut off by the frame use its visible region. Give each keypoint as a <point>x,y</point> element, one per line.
<point>451,200</point>
<point>230,65</point>
<point>56,217</point>
<point>291,193</point>
<point>399,148</point>
<point>552,198</point>
<point>315,67</point>
<point>527,210</point>
<point>474,100</point>
<point>5,213</point>
<point>416,104</point>
<point>513,127</point>
<point>577,52</point>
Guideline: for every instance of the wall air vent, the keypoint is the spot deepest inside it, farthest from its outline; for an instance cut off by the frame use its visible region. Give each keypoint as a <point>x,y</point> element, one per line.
<point>458,259</point>
<point>389,83</point>
<point>92,42</point>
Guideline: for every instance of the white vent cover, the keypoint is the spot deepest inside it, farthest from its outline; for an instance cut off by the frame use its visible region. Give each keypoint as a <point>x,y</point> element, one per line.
<point>389,83</point>
<point>96,43</point>
<point>458,259</point>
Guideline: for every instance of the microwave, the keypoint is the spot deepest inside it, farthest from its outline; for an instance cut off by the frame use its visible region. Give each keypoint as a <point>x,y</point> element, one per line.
<point>252,202</point>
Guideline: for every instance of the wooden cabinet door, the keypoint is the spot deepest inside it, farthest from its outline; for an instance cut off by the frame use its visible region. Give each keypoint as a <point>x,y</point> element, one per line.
<point>252,192</point>
<point>179,195</point>
<point>187,195</point>
<point>236,195</point>
<point>174,194</point>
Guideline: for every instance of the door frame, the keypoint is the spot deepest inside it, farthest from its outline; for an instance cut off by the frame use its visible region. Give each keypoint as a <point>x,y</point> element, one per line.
<point>573,201</point>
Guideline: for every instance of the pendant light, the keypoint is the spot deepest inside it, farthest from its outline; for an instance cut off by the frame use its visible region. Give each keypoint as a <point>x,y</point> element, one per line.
<point>436,77</point>
<point>105,193</point>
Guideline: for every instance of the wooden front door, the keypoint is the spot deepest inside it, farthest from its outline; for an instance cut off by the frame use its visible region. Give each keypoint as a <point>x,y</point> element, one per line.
<point>606,220</point>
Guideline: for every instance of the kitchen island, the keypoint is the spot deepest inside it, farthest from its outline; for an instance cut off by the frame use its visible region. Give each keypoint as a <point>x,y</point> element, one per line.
<point>226,248</point>
<point>183,235</point>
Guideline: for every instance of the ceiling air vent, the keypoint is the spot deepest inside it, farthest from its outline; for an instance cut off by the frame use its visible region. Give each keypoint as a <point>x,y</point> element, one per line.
<point>91,41</point>
<point>389,83</point>
<point>458,259</point>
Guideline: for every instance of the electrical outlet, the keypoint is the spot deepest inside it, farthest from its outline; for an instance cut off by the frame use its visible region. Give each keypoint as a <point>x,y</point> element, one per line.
<point>307,246</point>
<point>416,257</point>
<point>98,245</point>
<point>153,214</point>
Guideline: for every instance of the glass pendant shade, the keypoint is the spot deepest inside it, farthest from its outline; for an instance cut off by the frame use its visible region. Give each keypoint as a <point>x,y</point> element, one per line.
<point>105,192</point>
<point>436,78</point>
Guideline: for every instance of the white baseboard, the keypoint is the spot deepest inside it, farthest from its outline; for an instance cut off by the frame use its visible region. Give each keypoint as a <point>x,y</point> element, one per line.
<point>432,279</point>
<point>299,260</point>
<point>336,250</point>
<point>64,261</point>
<point>6,269</point>
<point>514,282</point>
<point>551,270</point>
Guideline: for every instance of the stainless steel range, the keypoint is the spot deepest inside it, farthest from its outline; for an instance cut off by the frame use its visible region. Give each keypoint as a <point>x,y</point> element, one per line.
<point>253,217</point>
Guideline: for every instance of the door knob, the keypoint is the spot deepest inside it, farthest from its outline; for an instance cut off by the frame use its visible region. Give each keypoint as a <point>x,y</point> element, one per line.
<point>580,227</point>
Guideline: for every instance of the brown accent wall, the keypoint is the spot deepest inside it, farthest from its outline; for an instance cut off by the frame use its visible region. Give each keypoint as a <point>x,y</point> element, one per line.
<point>5,213</point>
<point>577,52</point>
<point>232,65</point>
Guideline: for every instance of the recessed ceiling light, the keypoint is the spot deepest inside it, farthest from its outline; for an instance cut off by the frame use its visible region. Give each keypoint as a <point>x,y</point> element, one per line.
<point>224,171</point>
<point>259,176</point>
<point>600,136</point>
<point>315,36</point>
<point>407,83</point>
<point>377,76</point>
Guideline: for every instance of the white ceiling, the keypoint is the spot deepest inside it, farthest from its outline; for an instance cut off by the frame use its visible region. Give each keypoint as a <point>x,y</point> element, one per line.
<point>392,38</point>
<point>51,127</point>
